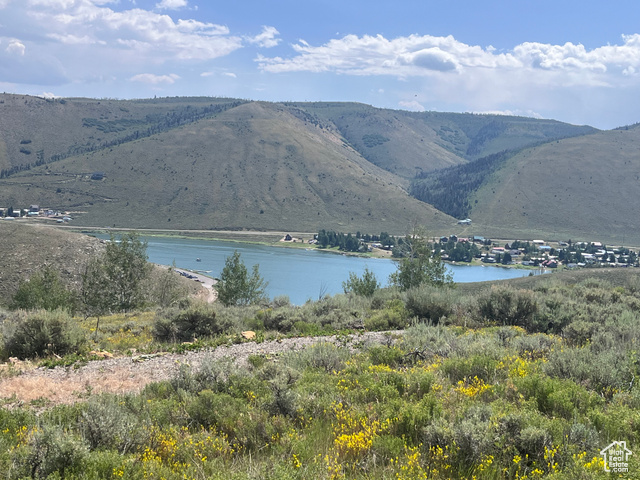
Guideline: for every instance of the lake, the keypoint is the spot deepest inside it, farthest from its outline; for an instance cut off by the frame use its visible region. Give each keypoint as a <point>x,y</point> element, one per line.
<point>301,274</point>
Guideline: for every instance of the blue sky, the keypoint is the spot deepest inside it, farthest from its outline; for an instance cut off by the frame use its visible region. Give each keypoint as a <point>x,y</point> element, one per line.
<point>574,61</point>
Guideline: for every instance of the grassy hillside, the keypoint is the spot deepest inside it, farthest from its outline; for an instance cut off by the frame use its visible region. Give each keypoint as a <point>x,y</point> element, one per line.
<point>413,143</point>
<point>584,188</point>
<point>35,130</point>
<point>27,248</point>
<point>226,163</point>
<point>255,166</point>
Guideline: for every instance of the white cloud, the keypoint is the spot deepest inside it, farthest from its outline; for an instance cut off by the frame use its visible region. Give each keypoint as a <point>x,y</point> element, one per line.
<point>229,74</point>
<point>171,4</point>
<point>16,47</point>
<point>413,105</point>
<point>125,36</point>
<point>403,56</point>
<point>153,79</point>
<point>416,56</point>
<point>267,38</point>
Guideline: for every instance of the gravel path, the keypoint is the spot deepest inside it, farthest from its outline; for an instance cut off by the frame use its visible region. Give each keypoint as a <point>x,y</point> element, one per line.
<point>131,374</point>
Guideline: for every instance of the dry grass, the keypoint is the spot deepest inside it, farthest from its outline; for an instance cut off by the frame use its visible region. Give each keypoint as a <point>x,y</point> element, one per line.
<point>582,188</point>
<point>31,247</point>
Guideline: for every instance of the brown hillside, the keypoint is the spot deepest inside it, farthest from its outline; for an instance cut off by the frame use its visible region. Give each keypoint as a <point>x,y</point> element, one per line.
<point>584,188</point>
<point>28,248</point>
<point>255,166</point>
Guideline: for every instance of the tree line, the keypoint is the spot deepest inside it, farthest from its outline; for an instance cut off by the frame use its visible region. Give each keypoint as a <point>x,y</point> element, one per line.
<point>157,123</point>
<point>350,243</point>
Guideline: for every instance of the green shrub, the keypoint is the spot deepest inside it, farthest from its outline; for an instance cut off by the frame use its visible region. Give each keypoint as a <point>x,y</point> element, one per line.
<point>584,436</point>
<point>107,423</point>
<point>213,374</point>
<point>281,319</point>
<point>325,356</point>
<point>388,447</point>
<point>473,436</point>
<point>430,340</point>
<point>41,333</point>
<point>44,290</point>
<point>381,355</point>
<point>50,451</point>
<point>532,442</point>
<point>506,306</point>
<point>430,303</point>
<point>382,296</point>
<point>211,409</point>
<point>394,316</point>
<point>281,301</point>
<point>198,321</point>
<point>460,368</point>
<point>604,372</point>
<point>414,418</point>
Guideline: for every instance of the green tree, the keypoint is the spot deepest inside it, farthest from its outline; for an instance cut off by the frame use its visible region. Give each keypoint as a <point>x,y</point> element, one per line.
<point>236,286</point>
<point>418,265</point>
<point>364,286</point>
<point>44,290</point>
<point>114,282</point>
<point>126,267</point>
<point>94,292</point>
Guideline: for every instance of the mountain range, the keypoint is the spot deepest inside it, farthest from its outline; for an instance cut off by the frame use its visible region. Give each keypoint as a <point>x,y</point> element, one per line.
<point>222,163</point>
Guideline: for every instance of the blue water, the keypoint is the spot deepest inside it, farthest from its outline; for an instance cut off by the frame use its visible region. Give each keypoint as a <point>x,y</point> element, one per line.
<point>300,274</point>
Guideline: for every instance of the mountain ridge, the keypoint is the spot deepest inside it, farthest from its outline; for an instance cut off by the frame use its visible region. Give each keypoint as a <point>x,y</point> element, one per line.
<point>206,162</point>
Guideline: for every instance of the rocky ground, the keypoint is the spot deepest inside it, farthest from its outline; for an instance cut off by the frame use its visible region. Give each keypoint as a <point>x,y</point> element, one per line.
<point>21,383</point>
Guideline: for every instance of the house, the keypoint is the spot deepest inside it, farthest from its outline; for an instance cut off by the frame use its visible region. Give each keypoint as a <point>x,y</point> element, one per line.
<point>287,238</point>
<point>495,250</point>
<point>477,239</point>
<point>466,221</point>
<point>544,248</point>
<point>538,242</point>
<point>97,175</point>
<point>34,209</point>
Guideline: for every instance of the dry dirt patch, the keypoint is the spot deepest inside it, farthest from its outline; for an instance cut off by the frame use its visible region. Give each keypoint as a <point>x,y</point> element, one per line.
<point>131,374</point>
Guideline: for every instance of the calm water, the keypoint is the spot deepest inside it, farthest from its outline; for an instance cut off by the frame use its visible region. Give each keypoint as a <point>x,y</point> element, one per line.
<point>300,274</point>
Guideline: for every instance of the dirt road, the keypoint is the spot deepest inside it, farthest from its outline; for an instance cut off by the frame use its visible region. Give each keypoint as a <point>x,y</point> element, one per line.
<point>130,374</point>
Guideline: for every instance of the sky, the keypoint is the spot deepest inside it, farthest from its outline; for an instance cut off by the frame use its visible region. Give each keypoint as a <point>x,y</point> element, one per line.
<point>573,61</point>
